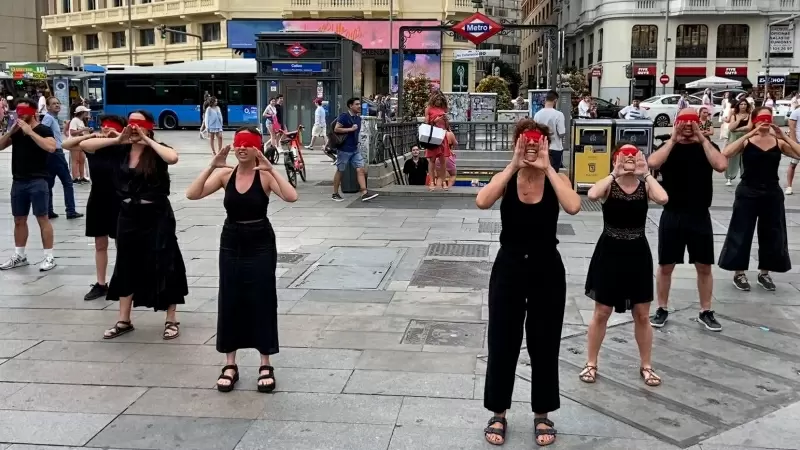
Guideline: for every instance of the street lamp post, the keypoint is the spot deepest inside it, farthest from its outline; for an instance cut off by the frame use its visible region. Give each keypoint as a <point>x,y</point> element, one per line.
<point>130,34</point>
<point>790,20</point>
<point>391,44</point>
<point>666,47</point>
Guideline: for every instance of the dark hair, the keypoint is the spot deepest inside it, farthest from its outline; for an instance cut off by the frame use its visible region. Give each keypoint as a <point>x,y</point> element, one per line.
<point>27,101</point>
<point>147,161</point>
<point>112,118</point>
<point>529,124</point>
<point>551,96</point>
<point>352,100</point>
<point>618,147</point>
<point>437,100</point>
<point>736,106</point>
<point>279,96</point>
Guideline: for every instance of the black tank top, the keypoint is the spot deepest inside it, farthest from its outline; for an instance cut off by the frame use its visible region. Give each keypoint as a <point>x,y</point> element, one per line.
<point>526,227</point>
<point>760,166</point>
<point>247,207</point>
<point>625,215</point>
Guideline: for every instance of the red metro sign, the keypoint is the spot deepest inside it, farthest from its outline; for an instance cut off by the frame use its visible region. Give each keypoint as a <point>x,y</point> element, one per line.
<point>477,28</point>
<point>296,50</point>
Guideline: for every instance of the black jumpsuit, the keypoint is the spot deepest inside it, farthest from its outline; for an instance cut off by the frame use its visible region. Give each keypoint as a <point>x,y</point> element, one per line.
<point>758,198</point>
<point>528,278</point>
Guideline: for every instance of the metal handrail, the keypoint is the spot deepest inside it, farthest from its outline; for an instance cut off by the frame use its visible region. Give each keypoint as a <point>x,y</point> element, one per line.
<point>388,143</point>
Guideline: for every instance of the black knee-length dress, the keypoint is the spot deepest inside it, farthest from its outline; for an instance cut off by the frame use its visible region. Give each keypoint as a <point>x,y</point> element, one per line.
<point>149,263</point>
<point>102,208</point>
<point>247,301</point>
<point>621,271</point>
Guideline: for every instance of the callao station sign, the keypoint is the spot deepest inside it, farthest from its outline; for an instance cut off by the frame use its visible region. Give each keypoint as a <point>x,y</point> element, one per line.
<point>477,28</point>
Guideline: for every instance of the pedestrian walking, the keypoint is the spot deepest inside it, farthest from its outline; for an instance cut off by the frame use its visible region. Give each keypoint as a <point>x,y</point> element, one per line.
<point>620,276</point>
<point>77,127</point>
<point>738,125</point>
<point>248,255</point>
<point>436,116</point>
<point>528,279</point>
<point>213,123</point>
<point>57,166</point>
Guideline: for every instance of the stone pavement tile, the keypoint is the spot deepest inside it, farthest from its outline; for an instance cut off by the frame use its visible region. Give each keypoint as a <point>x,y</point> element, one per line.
<point>360,257</point>
<point>57,316</point>
<point>457,413</point>
<point>438,298</point>
<point>238,404</point>
<point>159,432</point>
<point>339,308</point>
<point>381,324</point>
<point>341,408</point>
<point>776,430</point>
<point>51,332</point>
<point>315,436</point>
<point>405,234</point>
<point>290,379</point>
<point>36,427</point>
<point>82,351</point>
<point>51,301</point>
<point>728,447</point>
<point>10,348</point>
<point>7,389</point>
<point>72,398</point>
<point>154,335</point>
<point>362,340</point>
<point>44,447</point>
<point>333,233</point>
<point>342,277</point>
<point>416,438</point>
<point>428,311</point>
<point>289,294</point>
<point>187,319</point>
<point>303,322</point>
<point>411,384</point>
<point>420,362</point>
<point>347,296</point>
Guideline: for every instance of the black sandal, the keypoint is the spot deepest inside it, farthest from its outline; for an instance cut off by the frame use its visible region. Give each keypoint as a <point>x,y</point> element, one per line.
<point>489,430</point>
<point>266,388</point>
<point>544,431</point>
<point>233,379</point>
<point>171,326</point>
<point>117,330</point>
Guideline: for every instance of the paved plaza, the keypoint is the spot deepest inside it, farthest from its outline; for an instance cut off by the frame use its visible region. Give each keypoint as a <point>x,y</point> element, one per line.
<point>382,330</point>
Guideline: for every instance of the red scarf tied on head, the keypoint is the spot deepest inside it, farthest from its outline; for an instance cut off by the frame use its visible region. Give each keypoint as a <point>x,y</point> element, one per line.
<point>141,123</point>
<point>246,139</point>
<point>628,150</point>
<point>113,125</point>
<point>762,118</point>
<point>25,110</point>
<point>688,117</point>
<point>532,135</point>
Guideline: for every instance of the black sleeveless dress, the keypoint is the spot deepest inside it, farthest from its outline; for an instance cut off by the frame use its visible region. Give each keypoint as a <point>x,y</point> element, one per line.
<point>621,271</point>
<point>247,303</point>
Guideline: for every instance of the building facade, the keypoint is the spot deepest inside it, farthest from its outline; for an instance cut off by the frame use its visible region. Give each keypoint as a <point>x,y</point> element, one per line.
<point>726,38</point>
<point>502,11</point>
<point>534,63</point>
<point>21,35</point>
<point>110,32</point>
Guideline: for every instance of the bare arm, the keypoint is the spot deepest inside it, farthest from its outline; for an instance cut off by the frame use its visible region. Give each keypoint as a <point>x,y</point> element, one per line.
<point>279,185</point>
<point>735,147</point>
<point>5,140</point>
<point>655,191</point>
<point>74,143</point>
<point>493,191</point>
<point>793,130</point>
<point>93,145</point>
<point>168,154</point>
<point>715,157</point>
<point>659,157</point>
<point>789,148</point>
<point>600,189</point>
<point>567,197</point>
<point>209,181</point>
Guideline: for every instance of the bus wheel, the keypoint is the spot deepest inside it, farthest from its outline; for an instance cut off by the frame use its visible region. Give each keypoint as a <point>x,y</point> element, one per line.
<point>169,121</point>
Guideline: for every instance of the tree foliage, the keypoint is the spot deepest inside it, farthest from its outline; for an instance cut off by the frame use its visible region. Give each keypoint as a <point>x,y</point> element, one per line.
<point>416,91</point>
<point>499,86</point>
<point>575,79</point>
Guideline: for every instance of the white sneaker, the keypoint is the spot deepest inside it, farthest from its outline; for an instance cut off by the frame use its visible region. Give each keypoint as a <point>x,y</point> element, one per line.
<point>14,262</point>
<point>788,190</point>
<point>728,182</point>
<point>49,263</point>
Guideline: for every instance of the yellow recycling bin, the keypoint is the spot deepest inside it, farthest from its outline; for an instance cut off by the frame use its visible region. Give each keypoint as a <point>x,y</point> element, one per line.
<point>591,152</point>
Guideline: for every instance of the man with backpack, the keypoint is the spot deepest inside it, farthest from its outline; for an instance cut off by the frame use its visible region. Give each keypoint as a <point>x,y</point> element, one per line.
<point>344,137</point>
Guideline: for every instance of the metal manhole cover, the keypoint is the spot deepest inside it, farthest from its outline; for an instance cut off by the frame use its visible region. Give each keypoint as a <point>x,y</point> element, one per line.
<point>564,229</point>
<point>453,334</point>
<point>465,274</point>
<point>588,205</point>
<point>458,250</point>
<point>291,258</point>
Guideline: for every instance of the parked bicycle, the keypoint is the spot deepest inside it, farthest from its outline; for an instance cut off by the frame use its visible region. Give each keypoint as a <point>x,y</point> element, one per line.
<point>292,148</point>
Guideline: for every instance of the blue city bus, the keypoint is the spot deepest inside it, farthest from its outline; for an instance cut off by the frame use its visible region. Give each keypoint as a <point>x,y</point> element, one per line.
<point>174,93</point>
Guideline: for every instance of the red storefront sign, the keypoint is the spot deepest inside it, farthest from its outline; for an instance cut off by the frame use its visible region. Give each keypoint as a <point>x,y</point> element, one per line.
<point>597,72</point>
<point>690,71</point>
<point>731,71</point>
<point>644,71</point>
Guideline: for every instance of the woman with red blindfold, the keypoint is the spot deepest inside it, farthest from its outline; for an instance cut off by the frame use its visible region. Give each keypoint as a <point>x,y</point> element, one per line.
<point>149,270</point>
<point>623,248</point>
<point>528,279</point>
<point>758,199</point>
<point>248,255</point>
<point>102,208</point>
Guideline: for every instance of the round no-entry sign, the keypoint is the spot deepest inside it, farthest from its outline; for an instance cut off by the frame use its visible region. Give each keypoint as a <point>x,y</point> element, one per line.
<point>664,79</point>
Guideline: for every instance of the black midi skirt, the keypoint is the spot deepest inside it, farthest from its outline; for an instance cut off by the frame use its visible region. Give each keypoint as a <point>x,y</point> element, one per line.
<point>149,263</point>
<point>248,300</point>
<point>620,273</point>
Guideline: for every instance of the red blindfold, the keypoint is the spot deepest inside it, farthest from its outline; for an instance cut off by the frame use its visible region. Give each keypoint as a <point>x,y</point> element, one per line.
<point>146,124</point>
<point>532,135</point>
<point>628,150</point>
<point>762,118</point>
<point>113,125</point>
<point>25,110</point>
<point>246,139</point>
<point>688,117</point>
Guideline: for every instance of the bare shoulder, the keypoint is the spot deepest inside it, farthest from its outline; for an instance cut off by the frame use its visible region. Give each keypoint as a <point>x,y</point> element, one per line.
<point>223,174</point>
<point>266,180</point>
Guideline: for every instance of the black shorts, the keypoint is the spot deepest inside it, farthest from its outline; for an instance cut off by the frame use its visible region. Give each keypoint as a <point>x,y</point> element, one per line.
<point>679,231</point>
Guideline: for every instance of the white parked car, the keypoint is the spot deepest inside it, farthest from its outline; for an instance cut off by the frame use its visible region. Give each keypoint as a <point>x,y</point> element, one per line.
<point>662,109</point>
<point>783,107</point>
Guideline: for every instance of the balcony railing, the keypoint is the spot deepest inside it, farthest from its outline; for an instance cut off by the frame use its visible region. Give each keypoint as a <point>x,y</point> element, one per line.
<point>732,52</point>
<point>691,52</point>
<point>644,52</point>
<point>168,8</point>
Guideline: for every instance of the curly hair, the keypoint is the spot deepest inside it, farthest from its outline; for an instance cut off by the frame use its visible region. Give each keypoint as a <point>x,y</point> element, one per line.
<point>529,124</point>
<point>736,106</point>
<point>438,100</point>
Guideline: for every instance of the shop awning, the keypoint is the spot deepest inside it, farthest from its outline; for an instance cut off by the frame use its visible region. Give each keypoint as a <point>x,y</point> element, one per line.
<point>714,83</point>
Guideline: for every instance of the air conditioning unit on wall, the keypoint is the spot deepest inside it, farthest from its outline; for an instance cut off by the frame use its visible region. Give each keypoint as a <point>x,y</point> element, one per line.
<point>75,62</point>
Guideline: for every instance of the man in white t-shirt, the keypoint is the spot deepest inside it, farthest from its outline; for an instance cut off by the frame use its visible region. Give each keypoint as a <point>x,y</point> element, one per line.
<point>42,110</point>
<point>794,134</point>
<point>584,106</point>
<point>320,125</point>
<point>634,111</point>
<point>554,119</point>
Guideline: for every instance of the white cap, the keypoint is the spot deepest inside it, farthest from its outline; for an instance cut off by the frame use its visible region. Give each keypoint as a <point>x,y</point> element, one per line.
<point>10,98</point>
<point>82,109</point>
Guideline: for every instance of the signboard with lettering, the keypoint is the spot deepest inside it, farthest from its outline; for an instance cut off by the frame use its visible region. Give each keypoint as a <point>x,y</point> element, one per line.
<point>773,79</point>
<point>472,54</point>
<point>781,42</point>
<point>307,67</point>
<point>460,76</point>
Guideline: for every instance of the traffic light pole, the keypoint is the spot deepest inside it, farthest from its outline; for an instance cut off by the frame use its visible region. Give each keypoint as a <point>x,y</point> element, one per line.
<point>164,30</point>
